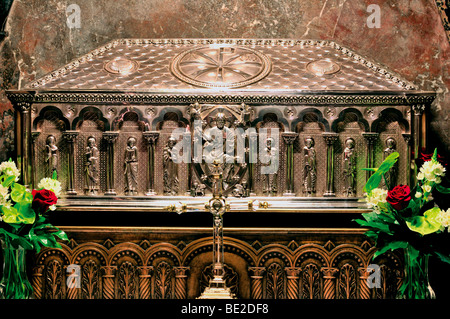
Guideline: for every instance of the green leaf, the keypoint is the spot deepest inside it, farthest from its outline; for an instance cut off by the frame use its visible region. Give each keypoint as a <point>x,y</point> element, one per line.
<point>390,246</point>
<point>20,213</point>
<point>9,179</point>
<point>55,175</point>
<point>443,257</point>
<point>26,214</point>
<point>376,177</point>
<point>10,215</point>
<point>413,253</point>
<point>375,221</point>
<point>425,224</point>
<point>414,204</point>
<point>61,235</point>
<point>20,194</point>
<point>371,234</point>
<point>369,169</point>
<point>442,189</point>
<point>435,155</point>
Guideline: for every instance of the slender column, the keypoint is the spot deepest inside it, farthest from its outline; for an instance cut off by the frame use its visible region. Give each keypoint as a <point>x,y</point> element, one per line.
<point>418,129</point>
<point>256,279</point>
<point>330,139</point>
<point>410,165</point>
<point>364,290</point>
<point>252,159</point>
<point>293,275</point>
<point>151,138</point>
<point>22,134</point>
<point>181,282</point>
<point>70,137</point>
<point>187,140</point>
<point>110,138</point>
<point>37,281</point>
<point>371,139</point>
<point>145,281</point>
<point>34,136</point>
<point>108,281</point>
<point>329,283</point>
<point>289,138</point>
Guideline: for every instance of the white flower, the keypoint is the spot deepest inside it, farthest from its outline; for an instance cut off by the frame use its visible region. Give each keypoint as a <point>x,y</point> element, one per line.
<point>4,196</point>
<point>4,191</point>
<point>10,169</point>
<point>50,184</point>
<point>439,170</point>
<point>426,188</point>
<point>431,170</point>
<point>444,218</point>
<point>418,195</point>
<point>376,196</point>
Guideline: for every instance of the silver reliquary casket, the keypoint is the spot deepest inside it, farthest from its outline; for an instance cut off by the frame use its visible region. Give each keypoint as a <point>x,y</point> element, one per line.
<point>139,124</point>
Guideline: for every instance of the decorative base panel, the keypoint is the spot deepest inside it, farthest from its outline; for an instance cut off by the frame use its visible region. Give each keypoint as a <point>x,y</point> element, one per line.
<point>175,263</point>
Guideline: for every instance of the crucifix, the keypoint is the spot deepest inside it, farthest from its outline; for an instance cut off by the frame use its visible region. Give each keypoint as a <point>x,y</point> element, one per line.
<point>217,205</point>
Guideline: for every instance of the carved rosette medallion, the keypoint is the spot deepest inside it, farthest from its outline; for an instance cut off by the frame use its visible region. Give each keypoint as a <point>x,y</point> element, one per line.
<point>221,66</point>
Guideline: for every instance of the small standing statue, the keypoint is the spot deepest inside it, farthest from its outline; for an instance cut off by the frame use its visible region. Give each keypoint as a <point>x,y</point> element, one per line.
<point>391,176</point>
<point>246,113</point>
<point>349,168</point>
<point>91,166</point>
<point>51,158</point>
<point>131,167</point>
<point>240,190</point>
<point>170,168</point>
<point>310,169</point>
<point>198,189</point>
<point>270,180</point>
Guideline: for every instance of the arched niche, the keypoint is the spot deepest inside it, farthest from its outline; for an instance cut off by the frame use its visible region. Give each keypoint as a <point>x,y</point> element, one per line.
<point>168,123</point>
<point>310,119</point>
<point>391,125</point>
<point>272,123</point>
<point>49,145</point>
<point>169,113</point>
<point>91,114</point>
<point>310,125</point>
<point>350,126</point>
<point>130,124</point>
<point>90,123</point>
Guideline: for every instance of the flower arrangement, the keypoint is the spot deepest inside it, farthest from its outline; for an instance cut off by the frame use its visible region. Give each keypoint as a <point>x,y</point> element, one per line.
<point>416,220</point>
<point>24,226</point>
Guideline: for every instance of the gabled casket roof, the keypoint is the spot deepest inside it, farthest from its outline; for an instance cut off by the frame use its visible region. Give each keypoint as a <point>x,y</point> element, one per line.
<point>253,71</point>
<point>256,66</point>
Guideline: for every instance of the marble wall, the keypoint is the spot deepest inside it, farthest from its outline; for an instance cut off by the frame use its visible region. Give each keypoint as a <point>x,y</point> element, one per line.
<point>411,40</point>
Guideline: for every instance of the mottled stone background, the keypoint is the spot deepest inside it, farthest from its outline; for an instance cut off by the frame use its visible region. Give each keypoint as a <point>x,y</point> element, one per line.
<point>411,40</point>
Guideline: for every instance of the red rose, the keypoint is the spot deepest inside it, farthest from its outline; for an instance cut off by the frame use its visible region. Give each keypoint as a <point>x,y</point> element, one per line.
<point>427,157</point>
<point>399,197</point>
<point>42,200</point>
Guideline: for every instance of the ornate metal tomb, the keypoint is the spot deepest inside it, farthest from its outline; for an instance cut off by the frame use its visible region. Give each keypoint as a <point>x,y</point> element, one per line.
<point>109,121</point>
